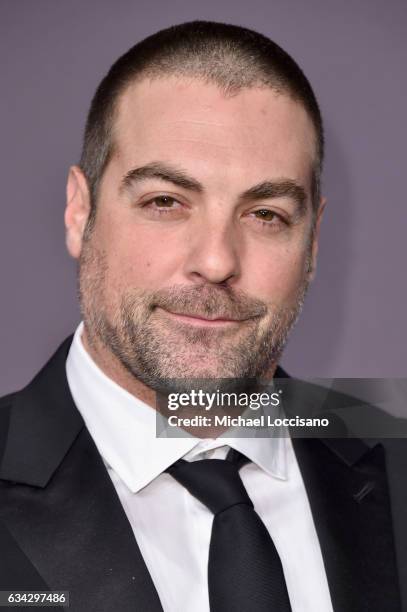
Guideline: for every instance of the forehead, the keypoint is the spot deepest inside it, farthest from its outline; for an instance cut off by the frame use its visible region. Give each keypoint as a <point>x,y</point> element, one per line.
<point>255,131</point>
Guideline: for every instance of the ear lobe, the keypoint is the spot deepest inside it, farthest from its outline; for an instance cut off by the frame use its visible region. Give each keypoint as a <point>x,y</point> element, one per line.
<point>315,239</point>
<point>77,210</point>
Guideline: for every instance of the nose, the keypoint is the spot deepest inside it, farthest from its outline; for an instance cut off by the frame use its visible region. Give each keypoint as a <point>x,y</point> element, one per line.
<point>213,253</point>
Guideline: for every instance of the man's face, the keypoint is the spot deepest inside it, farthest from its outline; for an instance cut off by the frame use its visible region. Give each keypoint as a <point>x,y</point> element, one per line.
<point>203,241</point>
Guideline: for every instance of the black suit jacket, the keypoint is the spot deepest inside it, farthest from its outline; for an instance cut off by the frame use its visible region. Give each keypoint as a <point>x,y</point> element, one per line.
<point>62,526</point>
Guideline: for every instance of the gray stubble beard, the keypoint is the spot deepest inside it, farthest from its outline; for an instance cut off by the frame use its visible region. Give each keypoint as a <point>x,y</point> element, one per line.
<point>157,356</point>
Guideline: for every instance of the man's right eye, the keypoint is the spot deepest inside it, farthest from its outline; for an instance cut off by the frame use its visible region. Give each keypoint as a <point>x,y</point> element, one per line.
<point>163,202</point>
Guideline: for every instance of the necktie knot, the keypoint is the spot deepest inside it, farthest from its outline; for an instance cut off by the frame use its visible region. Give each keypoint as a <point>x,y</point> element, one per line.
<point>215,482</point>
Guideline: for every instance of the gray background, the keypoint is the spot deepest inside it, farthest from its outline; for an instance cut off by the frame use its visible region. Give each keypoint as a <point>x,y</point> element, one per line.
<point>53,55</point>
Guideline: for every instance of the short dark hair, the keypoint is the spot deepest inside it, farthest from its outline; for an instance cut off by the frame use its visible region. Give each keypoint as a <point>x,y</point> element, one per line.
<point>230,56</point>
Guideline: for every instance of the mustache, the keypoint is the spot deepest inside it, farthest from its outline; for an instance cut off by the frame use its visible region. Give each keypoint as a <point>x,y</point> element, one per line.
<point>208,301</point>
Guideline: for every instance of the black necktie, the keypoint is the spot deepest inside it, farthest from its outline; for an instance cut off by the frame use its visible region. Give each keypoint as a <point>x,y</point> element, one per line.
<point>244,570</point>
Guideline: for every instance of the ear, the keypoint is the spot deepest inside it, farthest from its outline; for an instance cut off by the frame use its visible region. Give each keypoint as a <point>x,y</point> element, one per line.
<point>77,210</point>
<point>315,239</point>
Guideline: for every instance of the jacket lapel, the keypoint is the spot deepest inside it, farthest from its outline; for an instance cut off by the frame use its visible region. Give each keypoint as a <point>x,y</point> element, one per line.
<point>347,487</point>
<point>350,504</point>
<point>62,511</point>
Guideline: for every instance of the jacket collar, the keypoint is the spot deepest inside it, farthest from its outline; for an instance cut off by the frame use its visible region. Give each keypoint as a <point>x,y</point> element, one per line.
<point>44,422</point>
<point>306,399</point>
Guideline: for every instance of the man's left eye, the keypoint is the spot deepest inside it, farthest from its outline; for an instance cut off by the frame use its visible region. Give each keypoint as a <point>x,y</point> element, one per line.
<point>268,216</point>
<point>265,215</point>
<point>163,202</point>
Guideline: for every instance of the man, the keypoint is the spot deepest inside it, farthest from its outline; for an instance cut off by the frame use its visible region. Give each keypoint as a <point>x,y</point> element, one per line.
<point>194,213</point>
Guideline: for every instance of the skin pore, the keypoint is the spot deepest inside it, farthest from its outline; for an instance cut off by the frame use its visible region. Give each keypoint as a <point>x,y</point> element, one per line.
<point>204,240</point>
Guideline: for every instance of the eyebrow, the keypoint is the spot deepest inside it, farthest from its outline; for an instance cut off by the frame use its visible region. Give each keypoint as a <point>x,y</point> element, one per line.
<point>280,188</point>
<point>269,189</point>
<point>164,172</point>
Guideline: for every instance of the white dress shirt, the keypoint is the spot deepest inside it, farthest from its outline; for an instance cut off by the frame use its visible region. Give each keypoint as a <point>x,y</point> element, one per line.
<point>173,528</point>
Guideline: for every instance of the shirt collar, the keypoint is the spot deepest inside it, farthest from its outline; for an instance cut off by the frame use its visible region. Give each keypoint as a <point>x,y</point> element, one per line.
<point>124,428</point>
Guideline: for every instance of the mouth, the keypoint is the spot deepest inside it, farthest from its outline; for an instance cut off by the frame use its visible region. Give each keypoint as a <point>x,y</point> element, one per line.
<point>198,320</point>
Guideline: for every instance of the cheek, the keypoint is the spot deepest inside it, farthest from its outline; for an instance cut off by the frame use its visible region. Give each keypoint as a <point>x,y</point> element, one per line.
<point>141,259</point>
<point>277,275</point>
